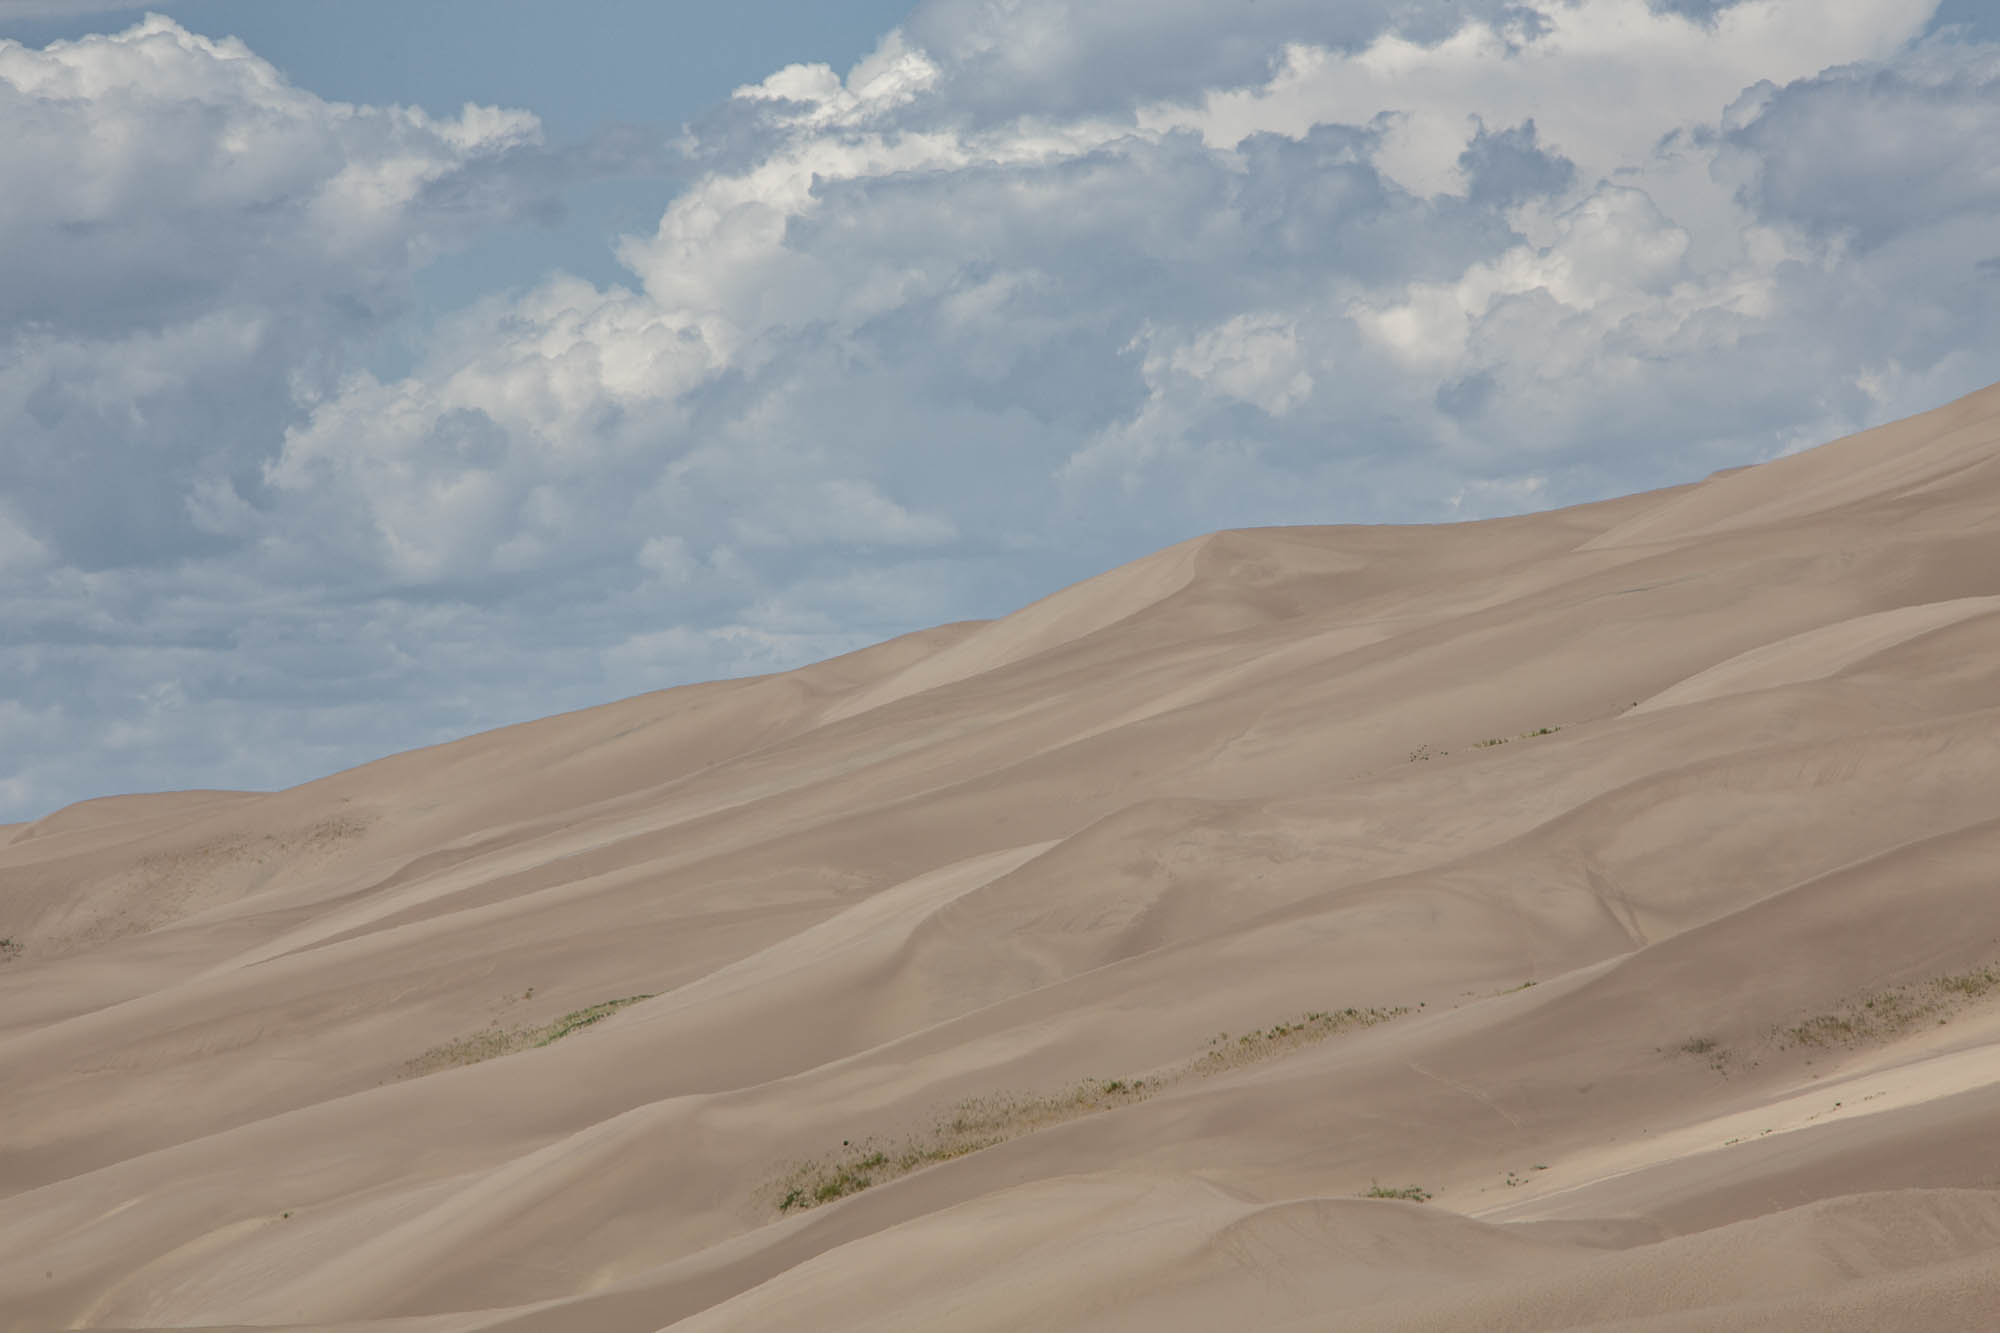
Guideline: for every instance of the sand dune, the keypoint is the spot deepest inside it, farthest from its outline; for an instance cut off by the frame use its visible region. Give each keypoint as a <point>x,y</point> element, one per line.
<point>1617,881</point>
<point>1819,653</point>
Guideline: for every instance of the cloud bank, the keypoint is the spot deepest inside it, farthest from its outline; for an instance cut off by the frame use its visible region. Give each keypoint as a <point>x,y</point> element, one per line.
<point>1035,287</point>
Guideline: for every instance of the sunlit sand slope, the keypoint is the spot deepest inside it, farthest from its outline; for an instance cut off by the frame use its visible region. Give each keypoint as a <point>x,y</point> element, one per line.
<point>1585,920</point>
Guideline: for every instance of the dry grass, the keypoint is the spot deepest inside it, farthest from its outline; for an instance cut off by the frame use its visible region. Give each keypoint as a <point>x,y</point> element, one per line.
<point>982,1122</point>
<point>1252,1047</point>
<point>1492,741</point>
<point>1709,1050</point>
<point>493,1041</point>
<point>1970,985</point>
<point>1413,1193</point>
<point>976,1123</point>
<point>1888,1014</point>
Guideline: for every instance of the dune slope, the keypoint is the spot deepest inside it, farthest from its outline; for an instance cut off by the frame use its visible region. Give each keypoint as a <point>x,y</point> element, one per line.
<point>1586,920</point>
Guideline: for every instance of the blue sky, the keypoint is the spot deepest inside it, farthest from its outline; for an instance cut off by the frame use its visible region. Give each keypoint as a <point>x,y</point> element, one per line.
<point>373,373</point>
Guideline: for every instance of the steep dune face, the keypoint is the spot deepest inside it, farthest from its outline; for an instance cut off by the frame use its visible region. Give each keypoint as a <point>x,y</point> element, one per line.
<point>1089,968</point>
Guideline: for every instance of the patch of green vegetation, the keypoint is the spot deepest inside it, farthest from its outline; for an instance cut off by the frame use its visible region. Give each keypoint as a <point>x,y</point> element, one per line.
<point>849,1177</point>
<point>1708,1049</point>
<point>9,947</point>
<point>1412,1193</point>
<point>582,1018</point>
<point>482,1045</point>
<point>1268,1042</point>
<point>1424,752</point>
<point>1492,741</point>
<point>979,1122</point>
<point>494,1041</point>
<point>1888,1014</point>
<point>982,1122</point>
<point>1878,1018</point>
<point>1972,985</point>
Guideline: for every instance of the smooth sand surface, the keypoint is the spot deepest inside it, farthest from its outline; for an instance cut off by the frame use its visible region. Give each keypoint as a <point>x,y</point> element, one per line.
<point>1654,845</point>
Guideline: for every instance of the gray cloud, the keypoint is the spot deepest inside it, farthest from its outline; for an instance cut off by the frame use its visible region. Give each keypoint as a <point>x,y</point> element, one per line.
<point>1873,152</point>
<point>1701,11</point>
<point>1509,167</point>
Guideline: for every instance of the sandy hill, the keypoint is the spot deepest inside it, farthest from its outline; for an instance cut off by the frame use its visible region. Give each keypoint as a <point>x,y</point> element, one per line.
<point>1583,920</point>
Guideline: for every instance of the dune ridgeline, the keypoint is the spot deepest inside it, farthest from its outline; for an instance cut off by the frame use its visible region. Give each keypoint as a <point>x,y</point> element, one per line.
<point>1582,920</point>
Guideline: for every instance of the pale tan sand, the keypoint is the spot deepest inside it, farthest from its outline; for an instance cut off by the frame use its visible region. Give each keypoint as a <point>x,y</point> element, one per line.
<point>1819,653</point>
<point>1747,782</point>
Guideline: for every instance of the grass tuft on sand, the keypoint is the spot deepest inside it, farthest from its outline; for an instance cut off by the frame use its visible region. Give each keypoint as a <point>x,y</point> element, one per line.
<point>491,1042</point>
<point>1412,1193</point>
<point>982,1122</point>
<point>1885,1015</point>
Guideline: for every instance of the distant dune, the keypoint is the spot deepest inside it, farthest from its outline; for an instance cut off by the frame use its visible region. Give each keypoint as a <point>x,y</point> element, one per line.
<point>1588,920</point>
